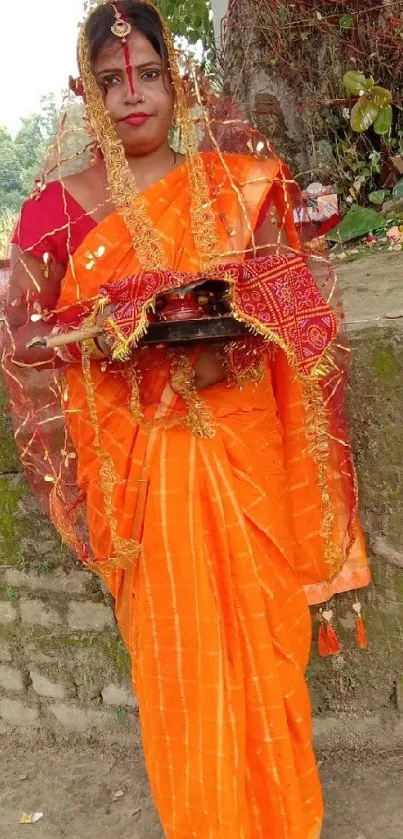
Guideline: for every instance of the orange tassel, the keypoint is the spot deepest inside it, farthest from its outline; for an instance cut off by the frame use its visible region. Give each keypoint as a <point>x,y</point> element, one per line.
<point>361,633</point>
<point>328,641</point>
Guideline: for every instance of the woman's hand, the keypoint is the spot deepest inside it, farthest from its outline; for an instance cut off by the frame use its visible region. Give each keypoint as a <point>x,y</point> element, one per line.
<point>103,341</point>
<point>28,285</point>
<point>209,369</point>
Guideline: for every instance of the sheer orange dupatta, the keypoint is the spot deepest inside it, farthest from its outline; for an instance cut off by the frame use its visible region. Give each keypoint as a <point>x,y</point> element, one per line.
<point>106,255</point>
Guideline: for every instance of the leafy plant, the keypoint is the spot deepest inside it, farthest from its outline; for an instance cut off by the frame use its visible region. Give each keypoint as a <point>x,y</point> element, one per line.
<point>357,222</point>
<point>357,166</point>
<point>374,105</point>
<point>190,19</point>
<point>378,196</point>
<point>398,189</point>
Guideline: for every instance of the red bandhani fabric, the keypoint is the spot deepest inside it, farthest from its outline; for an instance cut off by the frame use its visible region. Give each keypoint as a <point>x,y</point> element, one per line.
<point>276,295</point>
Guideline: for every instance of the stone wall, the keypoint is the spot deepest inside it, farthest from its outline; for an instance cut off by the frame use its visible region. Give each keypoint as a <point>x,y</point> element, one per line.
<point>358,697</point>
<point>63,666</point>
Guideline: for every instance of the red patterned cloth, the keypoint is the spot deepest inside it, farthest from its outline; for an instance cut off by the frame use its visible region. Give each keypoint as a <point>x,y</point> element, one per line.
<point>276,295</point>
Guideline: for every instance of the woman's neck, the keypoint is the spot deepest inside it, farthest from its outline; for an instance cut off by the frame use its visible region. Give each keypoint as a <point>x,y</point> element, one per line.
<point>153,167</point>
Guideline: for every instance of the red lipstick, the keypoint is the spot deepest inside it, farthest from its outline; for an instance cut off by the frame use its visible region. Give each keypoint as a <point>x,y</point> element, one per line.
<point>135,119</point>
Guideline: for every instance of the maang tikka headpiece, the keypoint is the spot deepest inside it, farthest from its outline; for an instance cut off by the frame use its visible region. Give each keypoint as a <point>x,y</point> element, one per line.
<point>121,26</point>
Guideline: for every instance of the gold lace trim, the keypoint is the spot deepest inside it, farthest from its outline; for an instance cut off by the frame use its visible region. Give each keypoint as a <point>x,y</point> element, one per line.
<point>253,372</point>
<point>126,550</point>
<point>123,188</point>
<point>148,246</point>
<point>317,432</point>
<point>145,238</point>
<point>199,419</point>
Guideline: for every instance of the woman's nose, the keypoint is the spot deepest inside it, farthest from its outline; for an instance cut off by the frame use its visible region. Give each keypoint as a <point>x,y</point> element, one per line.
<point>134,98</point>
<point>132,93</point>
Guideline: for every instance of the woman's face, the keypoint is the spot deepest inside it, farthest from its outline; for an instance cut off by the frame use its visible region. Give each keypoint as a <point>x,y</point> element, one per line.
<point>137,92</point>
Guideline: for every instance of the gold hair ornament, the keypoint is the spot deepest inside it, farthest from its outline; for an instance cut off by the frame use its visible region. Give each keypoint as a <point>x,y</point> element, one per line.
<point>121,27</point>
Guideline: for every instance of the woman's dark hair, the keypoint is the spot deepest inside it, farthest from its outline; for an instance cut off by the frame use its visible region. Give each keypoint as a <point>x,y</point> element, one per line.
<point>142,18</point>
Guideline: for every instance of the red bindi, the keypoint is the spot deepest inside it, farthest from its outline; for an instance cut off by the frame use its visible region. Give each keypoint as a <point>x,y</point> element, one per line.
<point>128,65</point>
<point>122,28</point>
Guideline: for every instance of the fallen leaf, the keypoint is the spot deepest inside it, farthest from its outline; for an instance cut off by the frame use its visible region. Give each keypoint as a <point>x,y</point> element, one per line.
<point>31,818</point>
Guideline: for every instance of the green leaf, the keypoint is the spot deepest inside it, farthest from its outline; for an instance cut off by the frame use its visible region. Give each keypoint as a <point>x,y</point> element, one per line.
<point>325,151</point>
<point>355,83</point>
<point>380,96</point>
<point>346,22</point>
<point>363,115</point>
<point>357,222</point>
<point>383,122</point>
<point>378,196</point>
<point>189,18</point>
<point>398,189</point>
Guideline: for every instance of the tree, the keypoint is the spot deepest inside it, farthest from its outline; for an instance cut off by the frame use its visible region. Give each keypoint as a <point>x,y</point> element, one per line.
<point>190,19</point>
<point>10,173</point>
<point>285,64</point>
<point>22,158</point>
<point>37,132</point>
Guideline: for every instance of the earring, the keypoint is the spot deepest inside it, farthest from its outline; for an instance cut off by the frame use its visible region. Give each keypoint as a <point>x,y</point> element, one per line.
<point>95,153</point>
<point>175,117</point>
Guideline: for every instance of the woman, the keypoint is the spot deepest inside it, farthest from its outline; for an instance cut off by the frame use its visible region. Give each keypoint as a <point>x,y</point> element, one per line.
<point>207,485</point>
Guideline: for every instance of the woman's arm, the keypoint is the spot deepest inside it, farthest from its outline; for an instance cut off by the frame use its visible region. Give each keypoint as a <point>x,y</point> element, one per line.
<point>270,235</point>
<point>34,287</point>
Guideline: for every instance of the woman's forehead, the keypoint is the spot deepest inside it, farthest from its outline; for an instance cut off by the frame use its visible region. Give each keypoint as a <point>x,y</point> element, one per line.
<point>112,54</point>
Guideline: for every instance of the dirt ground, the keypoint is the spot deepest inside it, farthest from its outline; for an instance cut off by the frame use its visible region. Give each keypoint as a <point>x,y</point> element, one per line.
<point>87,793</point>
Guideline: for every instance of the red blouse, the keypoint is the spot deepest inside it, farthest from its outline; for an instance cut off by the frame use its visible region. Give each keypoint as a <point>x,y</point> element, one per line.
<point>57,224</point>
<point>53,223</point>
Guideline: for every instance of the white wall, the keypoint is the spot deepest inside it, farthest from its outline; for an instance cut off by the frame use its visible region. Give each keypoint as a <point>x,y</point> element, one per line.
<point>219,8</point>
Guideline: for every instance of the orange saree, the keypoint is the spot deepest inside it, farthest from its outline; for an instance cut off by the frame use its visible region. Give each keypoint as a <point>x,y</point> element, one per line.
<point>212,610</point>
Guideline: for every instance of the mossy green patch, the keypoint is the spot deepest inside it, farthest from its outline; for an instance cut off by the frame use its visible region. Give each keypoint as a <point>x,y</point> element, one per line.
<point>385,363</point>
<point>398,584</point>
<point>9,460</point>
<point>375,400</point>
<point>9,592</point>
<point>120,658</point>
<point>11,491</point>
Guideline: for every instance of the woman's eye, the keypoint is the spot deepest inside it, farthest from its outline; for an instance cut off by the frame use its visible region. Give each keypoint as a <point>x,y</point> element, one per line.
<point>150,75</point>
<point>110,81</point>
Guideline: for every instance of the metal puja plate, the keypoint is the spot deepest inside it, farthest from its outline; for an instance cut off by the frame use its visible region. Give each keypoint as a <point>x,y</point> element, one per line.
<point>202,329</point>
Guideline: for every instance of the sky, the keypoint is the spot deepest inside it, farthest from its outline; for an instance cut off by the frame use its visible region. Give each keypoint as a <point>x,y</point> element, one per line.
<point>37,56</point>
